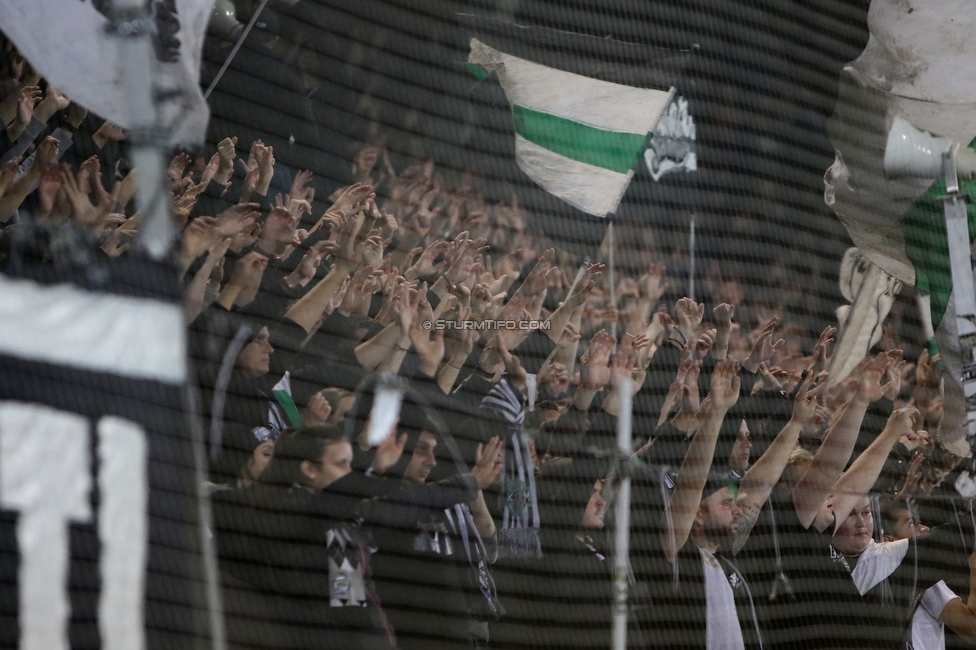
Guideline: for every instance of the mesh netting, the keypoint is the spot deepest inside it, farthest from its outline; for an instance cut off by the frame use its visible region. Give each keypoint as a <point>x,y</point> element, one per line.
<point>429,256</point>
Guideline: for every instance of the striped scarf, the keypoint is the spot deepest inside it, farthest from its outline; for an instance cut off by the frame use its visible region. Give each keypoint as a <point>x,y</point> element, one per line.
<point>518,500</point>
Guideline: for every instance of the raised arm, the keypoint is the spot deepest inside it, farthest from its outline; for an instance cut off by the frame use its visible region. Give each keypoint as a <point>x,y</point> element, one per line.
<point>693,474</point>
<point>530,297</point>
<point>194,296</point>
<point>487,466</point>
<point>723,329</point>
<point>245,281</point>
<point>858,480</point>
<point>568,311</point>
<point>306,310</point>
<point>813,487</point>
<point>458,344</point>
<point>759,481</point>
<point>382,347</point>
<point>428,345</point>
<point>387,349</point>
<point>47,155</point>
<point>960,616</point>
<point>594,370</point>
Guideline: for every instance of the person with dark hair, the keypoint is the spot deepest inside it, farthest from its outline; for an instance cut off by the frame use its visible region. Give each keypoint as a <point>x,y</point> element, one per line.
<point>898,521</point>
<point>564,600</point>
<point>436,542</point>
<point>243,369</point>
<point>741,451</point>
<point>296,567</point>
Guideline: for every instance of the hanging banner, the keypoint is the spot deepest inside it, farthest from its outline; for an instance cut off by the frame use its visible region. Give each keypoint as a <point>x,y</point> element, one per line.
<point>68,44</point>
<point>98,505</point>
<point>916,67</point>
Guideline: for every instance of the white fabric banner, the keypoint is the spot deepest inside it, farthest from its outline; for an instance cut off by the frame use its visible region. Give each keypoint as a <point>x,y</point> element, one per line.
<point>596,103</point>
<point>66,41</point>
<point>62,324</point>
<point>591,189</point>
<point>917,65</point>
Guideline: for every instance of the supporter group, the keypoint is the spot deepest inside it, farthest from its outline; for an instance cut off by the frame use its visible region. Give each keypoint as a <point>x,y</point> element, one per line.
<point>771,507</point>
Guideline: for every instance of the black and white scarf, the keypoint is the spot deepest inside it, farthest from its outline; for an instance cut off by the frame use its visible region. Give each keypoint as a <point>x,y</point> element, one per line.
<point>518,499</point>
<point>462,524</point>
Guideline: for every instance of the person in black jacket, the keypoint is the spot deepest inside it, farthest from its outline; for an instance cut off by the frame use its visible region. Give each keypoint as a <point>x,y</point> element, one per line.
<point>296,567</point>
<point>565,600</point>
<point>436,542</point>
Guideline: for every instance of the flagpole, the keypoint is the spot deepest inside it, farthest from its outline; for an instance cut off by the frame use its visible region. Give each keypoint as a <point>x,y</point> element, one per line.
<point>613,282</point>
<point>132,24</point>
<point>691,254</point>
<point>613,287</point>
<point>621,547</point>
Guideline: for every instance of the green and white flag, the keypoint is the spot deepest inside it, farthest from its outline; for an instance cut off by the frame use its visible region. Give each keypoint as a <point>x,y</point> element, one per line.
<point>577,137</point>
<point>917,66</point>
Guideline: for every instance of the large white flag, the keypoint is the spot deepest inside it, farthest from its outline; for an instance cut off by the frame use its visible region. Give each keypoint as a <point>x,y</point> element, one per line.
<point>66,41</point>
<point>917,66</point>
<point>577,137</point>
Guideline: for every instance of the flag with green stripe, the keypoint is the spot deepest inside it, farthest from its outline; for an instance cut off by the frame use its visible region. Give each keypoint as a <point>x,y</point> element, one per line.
<point>282,395</point>
<point>915,67</point>
<point>578,137</point>
<point>898,223</point>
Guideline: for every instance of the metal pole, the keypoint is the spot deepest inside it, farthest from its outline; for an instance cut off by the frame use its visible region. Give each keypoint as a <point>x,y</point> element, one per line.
<point>211,571</point>
<point>233,52</point>
<point>621,555</point>
<point>613,288</point>
<point>963,293</point>
<point>691,254</point>
<point>132,22</point>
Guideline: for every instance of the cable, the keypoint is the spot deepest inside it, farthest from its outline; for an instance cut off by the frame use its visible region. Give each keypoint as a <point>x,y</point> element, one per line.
<point>233,52</point>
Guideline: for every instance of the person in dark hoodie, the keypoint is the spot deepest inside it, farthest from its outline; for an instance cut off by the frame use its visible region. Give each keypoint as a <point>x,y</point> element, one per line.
<point>243,370</point>
<point>566,596</point>
<point>436,541</point>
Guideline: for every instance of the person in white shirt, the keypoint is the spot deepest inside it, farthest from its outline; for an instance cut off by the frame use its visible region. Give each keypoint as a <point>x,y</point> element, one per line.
<point>922,602</point>
<point>934,603</point>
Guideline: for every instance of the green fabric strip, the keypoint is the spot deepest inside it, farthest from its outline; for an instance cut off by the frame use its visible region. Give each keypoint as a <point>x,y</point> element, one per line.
<point>927,246</point>
<point>606,149</point>
<point>288,404</point>
<point>476,71</point>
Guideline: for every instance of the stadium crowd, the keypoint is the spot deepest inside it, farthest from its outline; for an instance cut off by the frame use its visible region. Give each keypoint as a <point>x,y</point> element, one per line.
<point>771,506</point>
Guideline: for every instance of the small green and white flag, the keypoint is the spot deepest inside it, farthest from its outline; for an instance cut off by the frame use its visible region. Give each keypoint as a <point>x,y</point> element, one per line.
<point>579,138</point>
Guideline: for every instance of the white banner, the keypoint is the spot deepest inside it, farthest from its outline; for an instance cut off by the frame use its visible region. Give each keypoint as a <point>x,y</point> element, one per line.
<point>917,65</point>
<point>66,41</point>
